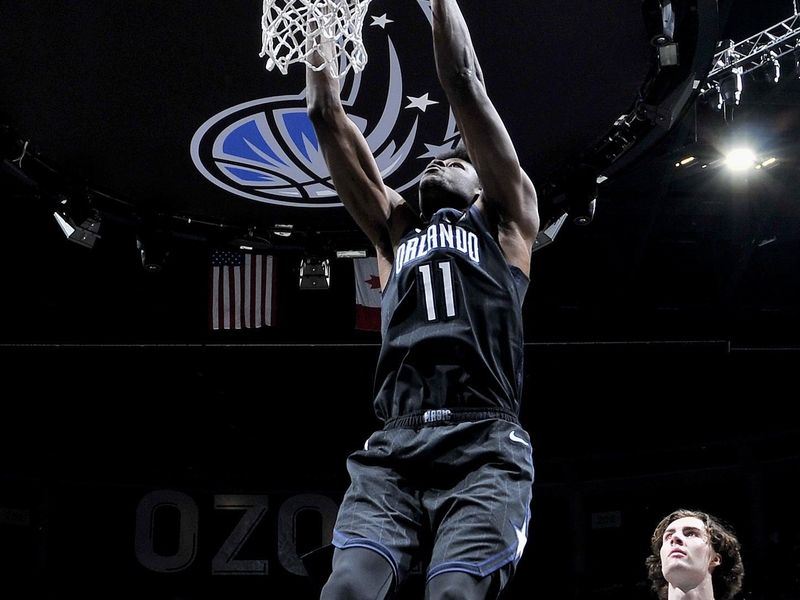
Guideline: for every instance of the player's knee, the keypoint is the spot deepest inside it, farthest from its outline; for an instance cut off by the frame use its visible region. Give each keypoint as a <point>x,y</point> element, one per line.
<point>445,590</point>
<point>459,586</point>
<point>350,585</point>
<point>358,575</point>
<point>344,584</point>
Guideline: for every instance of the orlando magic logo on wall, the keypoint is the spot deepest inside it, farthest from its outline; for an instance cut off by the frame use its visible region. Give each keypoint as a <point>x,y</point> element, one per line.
<point>266,149</point>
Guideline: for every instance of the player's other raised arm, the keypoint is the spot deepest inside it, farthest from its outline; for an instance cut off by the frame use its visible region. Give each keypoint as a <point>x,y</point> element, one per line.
<point>507,189</point>
<point>353,169</point>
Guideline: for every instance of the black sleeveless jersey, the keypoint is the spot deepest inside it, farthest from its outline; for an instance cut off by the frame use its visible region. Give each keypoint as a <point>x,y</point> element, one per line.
<point>451,320</point>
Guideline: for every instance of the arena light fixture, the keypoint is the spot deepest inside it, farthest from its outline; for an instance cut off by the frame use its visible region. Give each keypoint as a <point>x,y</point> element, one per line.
<point>315,273</point>
<point>730,88</point>
<point>85,234</point>
<point>740,159</point>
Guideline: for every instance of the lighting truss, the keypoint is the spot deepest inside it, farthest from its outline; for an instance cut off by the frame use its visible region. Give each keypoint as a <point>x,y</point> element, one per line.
<point>754,52</point>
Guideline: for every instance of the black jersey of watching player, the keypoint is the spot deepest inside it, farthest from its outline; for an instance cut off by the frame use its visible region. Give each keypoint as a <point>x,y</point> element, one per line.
<point>451,321</point>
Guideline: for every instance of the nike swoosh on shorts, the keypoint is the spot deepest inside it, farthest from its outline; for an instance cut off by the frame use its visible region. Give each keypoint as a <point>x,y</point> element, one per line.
<point>515,438</point>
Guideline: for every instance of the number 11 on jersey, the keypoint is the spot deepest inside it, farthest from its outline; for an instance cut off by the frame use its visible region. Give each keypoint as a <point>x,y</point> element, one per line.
<point>429,289</point>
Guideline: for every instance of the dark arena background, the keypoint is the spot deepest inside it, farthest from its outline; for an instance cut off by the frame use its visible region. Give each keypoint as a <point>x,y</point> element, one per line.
<point>145,453</point>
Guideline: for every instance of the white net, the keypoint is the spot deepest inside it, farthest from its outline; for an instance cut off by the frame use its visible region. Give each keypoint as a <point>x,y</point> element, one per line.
<point>288,24</point>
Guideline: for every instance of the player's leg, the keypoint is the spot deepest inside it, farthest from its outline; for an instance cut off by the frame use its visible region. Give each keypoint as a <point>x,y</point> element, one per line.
<point>358,574</point>
<point>462,586</point>
<point>483,515</point>
<point>378,523</point>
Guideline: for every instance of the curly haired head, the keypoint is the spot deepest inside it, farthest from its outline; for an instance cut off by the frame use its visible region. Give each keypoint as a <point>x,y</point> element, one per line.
<point>726,577</point>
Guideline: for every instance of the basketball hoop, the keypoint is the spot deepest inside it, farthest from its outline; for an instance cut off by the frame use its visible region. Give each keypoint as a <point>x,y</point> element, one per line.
<point>288,24</point>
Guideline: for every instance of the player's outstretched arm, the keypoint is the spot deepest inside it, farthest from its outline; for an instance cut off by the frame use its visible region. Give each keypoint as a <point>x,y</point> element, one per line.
<point>353,169</point>
<point>507,189</point>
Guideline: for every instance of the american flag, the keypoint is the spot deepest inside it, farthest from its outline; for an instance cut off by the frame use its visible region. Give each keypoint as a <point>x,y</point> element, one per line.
<point>242,290</point>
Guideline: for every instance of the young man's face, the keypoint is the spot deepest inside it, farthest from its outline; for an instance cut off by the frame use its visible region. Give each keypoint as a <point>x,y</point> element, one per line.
<point>449,183</point>
<point>686,553</point>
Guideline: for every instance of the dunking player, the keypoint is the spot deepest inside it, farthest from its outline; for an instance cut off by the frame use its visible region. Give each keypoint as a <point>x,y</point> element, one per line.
<point>448,479</point>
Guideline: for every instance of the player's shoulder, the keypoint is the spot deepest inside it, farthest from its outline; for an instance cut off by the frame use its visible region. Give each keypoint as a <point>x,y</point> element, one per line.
<point>402,217</point>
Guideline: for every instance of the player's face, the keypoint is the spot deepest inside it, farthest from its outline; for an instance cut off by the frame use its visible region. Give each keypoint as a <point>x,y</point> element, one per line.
<point>451,183</point>
<point>686,553</point>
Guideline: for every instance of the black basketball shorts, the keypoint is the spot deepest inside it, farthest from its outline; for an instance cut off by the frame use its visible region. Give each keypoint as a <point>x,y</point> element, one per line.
<point>451,497</point>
